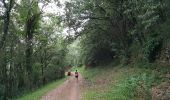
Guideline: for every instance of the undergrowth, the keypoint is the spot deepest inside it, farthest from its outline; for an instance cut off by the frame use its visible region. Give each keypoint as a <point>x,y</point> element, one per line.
<point>134,87</point>
<point>125,83</point>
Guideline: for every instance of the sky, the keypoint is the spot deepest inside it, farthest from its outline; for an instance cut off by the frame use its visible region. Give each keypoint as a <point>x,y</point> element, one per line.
<point>52,7</point>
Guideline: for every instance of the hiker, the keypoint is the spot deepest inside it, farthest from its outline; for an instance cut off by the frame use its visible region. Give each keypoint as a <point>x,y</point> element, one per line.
<point>76,75</point>
<point>69,73</point>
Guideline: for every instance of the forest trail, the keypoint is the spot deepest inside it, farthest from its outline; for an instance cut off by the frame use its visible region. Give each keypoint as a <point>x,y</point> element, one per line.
<point>69,90</point>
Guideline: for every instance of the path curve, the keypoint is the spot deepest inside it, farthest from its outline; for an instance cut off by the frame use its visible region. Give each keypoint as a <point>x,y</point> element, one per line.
<point>69,90</point>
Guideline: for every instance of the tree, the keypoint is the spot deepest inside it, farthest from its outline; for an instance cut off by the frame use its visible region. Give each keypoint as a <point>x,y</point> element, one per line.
<point>126,21</point>
<point>6,17</point>
<point>29,47</point>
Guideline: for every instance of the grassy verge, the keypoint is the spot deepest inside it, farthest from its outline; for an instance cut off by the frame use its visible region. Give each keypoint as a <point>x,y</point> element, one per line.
<point>118,83</point>
<point>36,95</point>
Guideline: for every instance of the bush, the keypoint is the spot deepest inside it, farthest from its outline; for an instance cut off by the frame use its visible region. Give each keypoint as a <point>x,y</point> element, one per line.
<point>152,48</point>
<point>134,87</point>
<point>54,72</point>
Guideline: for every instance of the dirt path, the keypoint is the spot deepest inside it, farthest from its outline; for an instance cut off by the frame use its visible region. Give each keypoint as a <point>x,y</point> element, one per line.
<point>69,90</point>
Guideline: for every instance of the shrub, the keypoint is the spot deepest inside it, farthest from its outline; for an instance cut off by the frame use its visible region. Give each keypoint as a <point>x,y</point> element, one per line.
<point>134,87</point>
<point>152,49</point>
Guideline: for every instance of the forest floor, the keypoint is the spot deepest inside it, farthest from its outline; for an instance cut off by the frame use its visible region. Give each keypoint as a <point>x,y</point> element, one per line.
<point>69,90</point>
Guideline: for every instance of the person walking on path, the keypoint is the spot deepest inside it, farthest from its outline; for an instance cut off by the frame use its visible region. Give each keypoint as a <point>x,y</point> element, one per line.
<point>76,75</point>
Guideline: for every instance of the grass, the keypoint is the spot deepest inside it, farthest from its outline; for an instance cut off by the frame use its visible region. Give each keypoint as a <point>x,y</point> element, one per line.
<point>110,83</point>
<point>36,95</point>
<point>134,87</point>
<point>117,83</point>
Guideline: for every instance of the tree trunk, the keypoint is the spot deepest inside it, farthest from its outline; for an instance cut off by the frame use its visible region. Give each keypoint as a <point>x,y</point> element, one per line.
<point>42,70</point>
<point>30,28</point>
<point>6,22</point>
<point>29,49</point>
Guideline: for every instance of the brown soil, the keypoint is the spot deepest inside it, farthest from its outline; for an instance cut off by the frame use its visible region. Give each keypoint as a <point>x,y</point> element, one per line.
<point>69,90</point>
<point>161,92</point>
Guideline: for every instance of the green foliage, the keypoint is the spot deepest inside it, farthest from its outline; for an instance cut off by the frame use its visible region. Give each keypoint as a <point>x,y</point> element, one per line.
<point>115,22</point>
<point>2,91</point>
<point>33,54</point>
<point>121,83</point>
<point>152,48</point>
<point>134,87</point>
<point>100,81</point>
<point>96,48</point>
<point>53,72</point>
<point>73,56</point>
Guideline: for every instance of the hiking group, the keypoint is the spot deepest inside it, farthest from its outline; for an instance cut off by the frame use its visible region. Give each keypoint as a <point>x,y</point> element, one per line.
<point>76,74</point>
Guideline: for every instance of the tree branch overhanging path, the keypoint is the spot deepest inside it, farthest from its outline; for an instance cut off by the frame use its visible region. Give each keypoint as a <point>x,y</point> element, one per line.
<point>41,39</point>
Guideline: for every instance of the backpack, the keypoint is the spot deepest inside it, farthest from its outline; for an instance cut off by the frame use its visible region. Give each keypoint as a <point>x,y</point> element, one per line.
<point>76,73</point>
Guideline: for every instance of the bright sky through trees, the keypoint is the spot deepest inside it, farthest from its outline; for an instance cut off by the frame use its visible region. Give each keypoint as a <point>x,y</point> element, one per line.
<point>57,9</point>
